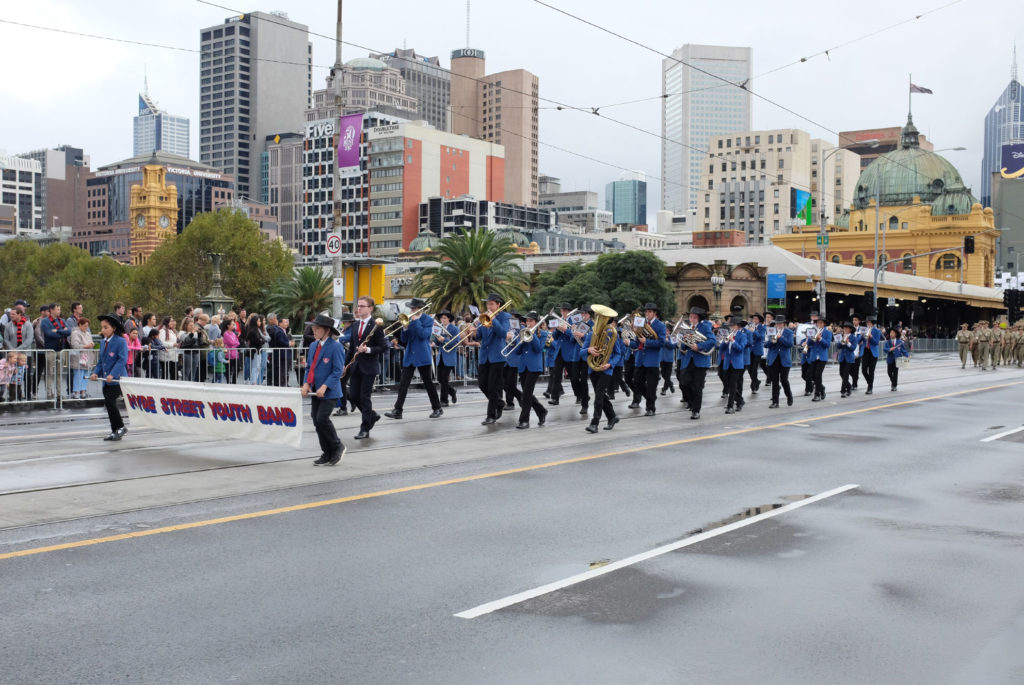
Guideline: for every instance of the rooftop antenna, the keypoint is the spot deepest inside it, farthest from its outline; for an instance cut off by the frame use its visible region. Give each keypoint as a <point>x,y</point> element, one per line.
<point>145,80</point>
<point>467,24</point>
<point>1013,66</point>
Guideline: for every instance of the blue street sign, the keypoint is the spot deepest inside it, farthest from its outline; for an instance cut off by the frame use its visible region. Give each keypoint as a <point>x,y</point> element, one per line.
<point>776,286</point>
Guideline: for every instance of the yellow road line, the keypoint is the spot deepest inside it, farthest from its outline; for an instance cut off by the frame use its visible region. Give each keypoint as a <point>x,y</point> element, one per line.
<point>468,479</point>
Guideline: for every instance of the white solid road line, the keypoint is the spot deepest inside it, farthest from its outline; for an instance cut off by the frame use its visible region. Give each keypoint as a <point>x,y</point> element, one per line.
<point>629,561</point>
<point>1003,434</point>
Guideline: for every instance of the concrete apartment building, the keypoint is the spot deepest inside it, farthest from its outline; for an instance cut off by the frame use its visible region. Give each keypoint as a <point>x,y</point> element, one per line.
<point>21,187</point>
<point>64,170</point>
<point>426,82</point>
<point>699,105</point>
<point>752,181</point>
<point>575,209</point>
<point>255,81</point>
<point>499,108</point>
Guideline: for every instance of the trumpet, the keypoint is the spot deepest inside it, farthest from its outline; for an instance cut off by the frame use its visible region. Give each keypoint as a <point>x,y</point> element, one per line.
<point>485,319</point>
<point>526,335</point>
<point>404,320</point>
<point>625,326</point>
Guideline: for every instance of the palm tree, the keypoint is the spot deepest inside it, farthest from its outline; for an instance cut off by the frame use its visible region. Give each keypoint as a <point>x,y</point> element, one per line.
<point>308,291</point>
<point>471,265</point>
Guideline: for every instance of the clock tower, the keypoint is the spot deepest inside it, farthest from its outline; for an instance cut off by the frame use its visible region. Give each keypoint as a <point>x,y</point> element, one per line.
<point>153,212</point>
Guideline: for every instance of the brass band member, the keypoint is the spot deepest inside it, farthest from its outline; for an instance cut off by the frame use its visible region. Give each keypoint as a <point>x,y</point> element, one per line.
<point>366,346</point>
<point>531,364</point>
<point>779,350</point>
<point>869,352</point>
<point>446,360</point>
<point>756,333</point>
<point>416,357</point>
<point>603,349</point>
<point>818,344</point>
<point>846,346</point>
<point>695,361</point>
<point>648,343</point>
<point>491,365</point>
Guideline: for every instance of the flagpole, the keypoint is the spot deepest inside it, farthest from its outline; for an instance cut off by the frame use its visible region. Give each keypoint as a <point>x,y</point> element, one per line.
<point>910,92</point>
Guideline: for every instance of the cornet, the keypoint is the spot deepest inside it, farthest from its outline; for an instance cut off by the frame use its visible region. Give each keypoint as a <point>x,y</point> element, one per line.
<point>525,336</point>
<point>404,320</point>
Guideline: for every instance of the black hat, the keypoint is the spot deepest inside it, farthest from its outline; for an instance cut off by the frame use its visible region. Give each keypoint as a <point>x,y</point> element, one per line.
<point>23,303</point>
<point>586,309</point>
<point>346,317</point>
<point>698,311</point>
<point>45,308</point>
<point>813,314</point>
<point>759,317</point>
<point>823,319</point>
<point>849,324</point>
<point>327,322</point>
<point>495,297</point>
<point>445,312</point>
<point>780,318</point>
<point>533,315</point>
<point>652,307</point>
<point>567,306</point>
<point>115,322</point>
<point>871,318</point>
<point>737,321</point>
<point>416,303</point>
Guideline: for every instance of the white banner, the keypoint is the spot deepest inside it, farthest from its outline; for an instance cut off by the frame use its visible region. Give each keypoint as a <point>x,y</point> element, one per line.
<point>255,413</point>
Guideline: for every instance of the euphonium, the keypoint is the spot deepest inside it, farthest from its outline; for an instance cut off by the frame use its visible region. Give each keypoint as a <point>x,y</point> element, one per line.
<point>603,338</point>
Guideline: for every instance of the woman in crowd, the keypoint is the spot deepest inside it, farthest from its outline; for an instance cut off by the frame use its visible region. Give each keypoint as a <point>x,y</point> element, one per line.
<point>188,343</point>
<point>134,353</point>
<point>82,359</point>
<point>169,355</point>
<point>148,324</point>
<point>231,345</point>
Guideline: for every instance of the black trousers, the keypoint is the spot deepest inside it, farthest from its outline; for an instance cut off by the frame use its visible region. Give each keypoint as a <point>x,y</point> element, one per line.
<point>755,364</point>
<point>490,378</point>
<point>527,400</point>
<point>819,380</point>
<point>555,389</point>
<point>807,373</point>
<point>692,386</point>
<point>602,405</point>
<point>735,381</point>
<point>666,374</point>
<point>844,375</point>
<point>629,376</point>
<point>360,388</point>
<point>578,375</point>
<point>330,444</point>
<point>444,372</point>
<point>111,393</point>
<point>510,383</point>
<point>868,369</point>
<point>645,380</point>
<point>427,376</point>
<point>779,375</point>
<point>617,382</point>
<point>724,377</point>
<point>894,373</point>
<point>854,371</point>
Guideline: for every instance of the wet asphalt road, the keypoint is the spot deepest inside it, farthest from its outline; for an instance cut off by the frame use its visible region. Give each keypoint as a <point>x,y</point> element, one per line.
<point>914,576</point>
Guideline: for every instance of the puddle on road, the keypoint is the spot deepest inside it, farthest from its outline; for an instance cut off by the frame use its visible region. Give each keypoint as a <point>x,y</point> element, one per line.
<point>1000,493</point>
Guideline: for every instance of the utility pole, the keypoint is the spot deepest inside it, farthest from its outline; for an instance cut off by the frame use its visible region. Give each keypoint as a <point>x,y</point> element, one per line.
<point>339,270</point>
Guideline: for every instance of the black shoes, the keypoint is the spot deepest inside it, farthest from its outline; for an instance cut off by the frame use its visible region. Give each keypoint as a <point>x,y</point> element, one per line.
<point>444,403</point>
<point>510,405</point>
<point>808,393</point>
<point>454,399</point>
<point>634,405</point>
<point>338,456</point>
<point>488,421</point>
<point>789,401</point>
<point>436,414</point>
<point>322,460</point>
<point>116,435</point>
<point>730,410</point>
<point>611,423</point>
<point>547,395</point>
<point>868,391</point>
<point>376,418</point>
<point>694,415</point>
<point>592,428</point>
<point>893,388</point>
<point>817,398</point>
<point>554,402</point>
<point>583,410</point>
<point>523,424</point>
<point>340,411</point>
<point>649,412</point>
<point>686,405</point>
<point>362,435</point>
<point>542,419</point>
<point>773,405</point>
<point>394,414</point>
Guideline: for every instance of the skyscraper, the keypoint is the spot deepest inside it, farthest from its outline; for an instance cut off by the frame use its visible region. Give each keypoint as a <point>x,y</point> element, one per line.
<point>1003,125</point>
<point>499,108</point>
<point>626,199</point>
<point>255,81</point>
<point>698,105</point>
<point>426,81</point>
<point>154,129</point>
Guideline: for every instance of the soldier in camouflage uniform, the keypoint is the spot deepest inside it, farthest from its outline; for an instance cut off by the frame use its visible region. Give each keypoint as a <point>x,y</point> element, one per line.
<point>974,343</point>
<point>963,343</point>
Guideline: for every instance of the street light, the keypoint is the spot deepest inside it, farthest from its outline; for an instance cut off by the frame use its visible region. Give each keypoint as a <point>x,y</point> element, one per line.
<point>718,282</point>
<point>822,234</point>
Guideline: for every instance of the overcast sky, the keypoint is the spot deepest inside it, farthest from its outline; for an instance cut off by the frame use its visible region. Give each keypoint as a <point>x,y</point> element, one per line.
<point>60,88</point>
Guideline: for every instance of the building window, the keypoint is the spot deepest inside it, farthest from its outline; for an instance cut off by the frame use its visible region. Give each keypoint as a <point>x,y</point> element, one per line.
<point>835,259</point>
<point>858,260</point>
<point>948,262</point>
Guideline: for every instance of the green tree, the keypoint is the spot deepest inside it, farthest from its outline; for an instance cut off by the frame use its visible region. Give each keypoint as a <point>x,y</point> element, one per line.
<point>308,291</point>
<point>17,277</point>
<point>95,282</point>
<point>60,273</point>
<point>471,266</point>
<point>180,272</point>
<point>548,286</point>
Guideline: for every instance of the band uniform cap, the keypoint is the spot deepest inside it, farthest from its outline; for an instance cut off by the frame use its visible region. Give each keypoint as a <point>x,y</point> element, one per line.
<point>699,311</point>
<point>495,297</point>
<point>849,324</point>
<point>758,315</point>
<point>445,312</point>
<point>813,314</point>
<point>327,322</point>
<point>871,317</point>
<point>737,321</point>
<point>652,307</point>
<point>533,315</point>
<point>115,322</point>
<point>567,306</point>
<point>780,318</point>
<point>823,319</point>
<point>587,309</point>
<point>416,303</point>
<point>347,317</point>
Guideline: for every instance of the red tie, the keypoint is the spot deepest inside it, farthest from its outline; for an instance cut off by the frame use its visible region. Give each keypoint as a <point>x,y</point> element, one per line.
<point>362,325</point>
<point>312,367</point>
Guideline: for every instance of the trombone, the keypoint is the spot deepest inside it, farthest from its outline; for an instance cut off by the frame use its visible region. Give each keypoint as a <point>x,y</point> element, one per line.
<point>485,319</point>
<point>404,320</point>
<point>525,336</point>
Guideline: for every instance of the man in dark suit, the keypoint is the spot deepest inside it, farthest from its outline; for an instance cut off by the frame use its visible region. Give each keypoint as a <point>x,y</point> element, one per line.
<point>367,345</point>
<point>278,360</point>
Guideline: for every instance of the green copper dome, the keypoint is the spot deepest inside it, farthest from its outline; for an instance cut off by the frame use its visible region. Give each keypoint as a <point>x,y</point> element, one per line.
<point>424,241</point>
<point>369,63</point>
<point>911,172</point>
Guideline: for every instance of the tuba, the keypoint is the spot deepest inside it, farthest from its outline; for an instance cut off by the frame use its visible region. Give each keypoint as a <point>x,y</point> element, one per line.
<point>603,338</point>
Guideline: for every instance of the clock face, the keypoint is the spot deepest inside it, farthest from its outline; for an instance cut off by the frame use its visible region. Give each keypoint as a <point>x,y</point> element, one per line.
<point>141,221</point>
<point>164,222</point>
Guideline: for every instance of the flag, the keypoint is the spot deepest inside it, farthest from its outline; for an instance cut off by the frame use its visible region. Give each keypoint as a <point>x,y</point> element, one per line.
<point>919,89</point>
<point>351,132</point>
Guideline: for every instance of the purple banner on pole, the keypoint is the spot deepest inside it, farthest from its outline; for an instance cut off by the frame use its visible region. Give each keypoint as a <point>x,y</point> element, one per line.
<point>348,140</point>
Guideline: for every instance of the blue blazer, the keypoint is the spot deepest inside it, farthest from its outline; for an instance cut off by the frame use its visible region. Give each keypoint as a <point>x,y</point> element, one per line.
<point>532,356</point>
<point>732,355</point>
<point>757,340</point>
<point>113,359</point>
<point>817,350</point>
<point>650,356</point>
<point>614,360</point>
<point>871,341</point>
<point>492,339</point>
<point>449,332</point>
<point>847,353</point>
<point>893,349</point>
<point>566,345</point>
<point>781,349</point>
<point>416,341</point>
<point>328,367</point>
<point>701,359</point>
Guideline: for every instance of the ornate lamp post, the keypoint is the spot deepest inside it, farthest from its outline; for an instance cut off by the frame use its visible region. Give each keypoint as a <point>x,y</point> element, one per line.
<point>718,273</point>
<point>216,301</point>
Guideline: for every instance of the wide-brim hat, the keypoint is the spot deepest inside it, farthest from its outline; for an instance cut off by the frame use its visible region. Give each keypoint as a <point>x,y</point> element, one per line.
<point>699,311</point>
<point>495,297</point>
<point>815,314</point>
<point>115,322</point>
<point>849,324</point>
<point>758,315</point>
<point>416,303</point>
<point>533,315</point>
<point>653,307</point>
<point>823,319</point>
<point>737,321</point>
<point>347,317</point>
<point>326,322</point>
<point>445,312</point>
<point>567,306</point>
<point>780,318</point>
<point>587,309</point>
<point>871,318</point>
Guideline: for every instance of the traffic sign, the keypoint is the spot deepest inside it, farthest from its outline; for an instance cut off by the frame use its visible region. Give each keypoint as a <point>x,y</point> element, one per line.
<point>822,240</point>
<point>334,244</point>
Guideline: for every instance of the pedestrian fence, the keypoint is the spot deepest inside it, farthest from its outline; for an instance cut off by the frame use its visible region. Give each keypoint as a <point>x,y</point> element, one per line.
<point>49,379</point>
